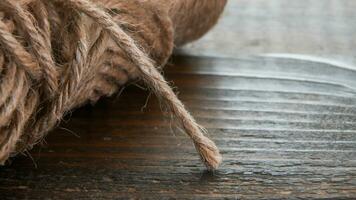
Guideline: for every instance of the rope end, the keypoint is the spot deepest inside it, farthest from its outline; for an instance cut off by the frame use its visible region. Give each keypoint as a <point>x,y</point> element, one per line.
<point>209,154</point>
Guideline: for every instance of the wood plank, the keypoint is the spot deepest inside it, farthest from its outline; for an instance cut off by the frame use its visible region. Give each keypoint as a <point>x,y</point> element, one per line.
<point>296,140</point>
<point>318,29</point>
<point>285,123</point>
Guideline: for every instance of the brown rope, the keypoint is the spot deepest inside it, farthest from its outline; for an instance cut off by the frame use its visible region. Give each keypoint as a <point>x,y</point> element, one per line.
<point>52,61</point>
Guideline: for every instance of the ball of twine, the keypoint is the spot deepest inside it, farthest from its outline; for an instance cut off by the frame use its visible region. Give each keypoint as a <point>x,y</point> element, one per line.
<point>56,55</point>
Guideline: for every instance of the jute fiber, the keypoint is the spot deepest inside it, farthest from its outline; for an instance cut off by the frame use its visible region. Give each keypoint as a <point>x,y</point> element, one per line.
<point>56,55</point>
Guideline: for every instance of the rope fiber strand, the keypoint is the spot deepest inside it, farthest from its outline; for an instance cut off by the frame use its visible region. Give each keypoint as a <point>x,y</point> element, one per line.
<point>64,53</point>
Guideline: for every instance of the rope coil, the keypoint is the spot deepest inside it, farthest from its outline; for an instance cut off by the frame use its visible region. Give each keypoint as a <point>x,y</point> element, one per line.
<point>51,60</point>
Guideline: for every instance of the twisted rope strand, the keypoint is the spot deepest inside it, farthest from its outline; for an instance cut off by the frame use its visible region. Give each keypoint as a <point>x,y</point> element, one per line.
<point>150,75</point>
<point>18,53</point>
<point>77,34</point>
<point>37,43</point>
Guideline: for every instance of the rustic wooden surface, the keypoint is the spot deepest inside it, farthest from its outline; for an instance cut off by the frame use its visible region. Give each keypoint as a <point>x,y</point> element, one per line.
<point>286,128</point>
<point>321,28</point>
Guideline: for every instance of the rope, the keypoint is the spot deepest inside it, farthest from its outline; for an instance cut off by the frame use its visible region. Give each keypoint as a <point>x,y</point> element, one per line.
<point>52,52</point>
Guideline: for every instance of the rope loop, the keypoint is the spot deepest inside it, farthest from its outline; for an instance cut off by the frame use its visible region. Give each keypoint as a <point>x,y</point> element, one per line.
<point>56,49</point>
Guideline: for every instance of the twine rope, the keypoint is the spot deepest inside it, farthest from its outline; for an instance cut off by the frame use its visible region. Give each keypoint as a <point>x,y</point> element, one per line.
<point>37,83</point>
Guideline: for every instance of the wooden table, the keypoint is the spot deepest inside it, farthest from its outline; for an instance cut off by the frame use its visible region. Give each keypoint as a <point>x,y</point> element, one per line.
<point>286,128</point>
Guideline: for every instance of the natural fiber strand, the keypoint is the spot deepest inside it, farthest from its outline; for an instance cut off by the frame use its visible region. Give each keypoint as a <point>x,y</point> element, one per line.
<point>58,54</point>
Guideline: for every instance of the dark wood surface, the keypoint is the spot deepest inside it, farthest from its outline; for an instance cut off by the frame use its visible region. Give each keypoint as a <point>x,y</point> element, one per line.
<point>286,128</point>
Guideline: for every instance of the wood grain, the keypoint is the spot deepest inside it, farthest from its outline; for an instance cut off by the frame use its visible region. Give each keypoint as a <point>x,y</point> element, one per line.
<point>280,138</point>
<point>317,28</point>
<point>286,127</point>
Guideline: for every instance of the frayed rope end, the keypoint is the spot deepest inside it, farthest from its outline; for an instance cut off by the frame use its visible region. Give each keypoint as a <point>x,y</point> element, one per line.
<point>209,153</point>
